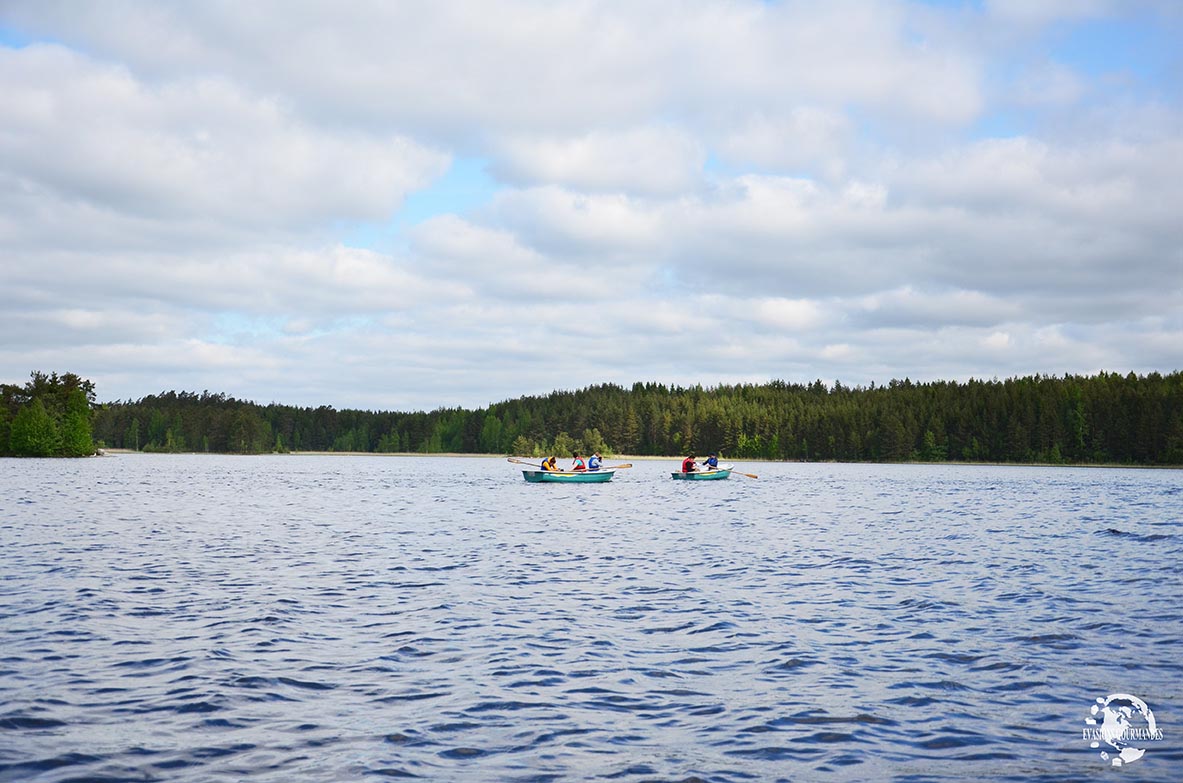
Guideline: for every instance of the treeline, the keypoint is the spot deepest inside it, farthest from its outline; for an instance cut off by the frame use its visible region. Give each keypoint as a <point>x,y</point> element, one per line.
<point>1106,418</point>
<point>50,416</point>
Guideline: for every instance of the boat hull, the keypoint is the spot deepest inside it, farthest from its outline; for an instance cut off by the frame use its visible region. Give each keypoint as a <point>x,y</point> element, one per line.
<point>701,475</point>
<point>568,477</point>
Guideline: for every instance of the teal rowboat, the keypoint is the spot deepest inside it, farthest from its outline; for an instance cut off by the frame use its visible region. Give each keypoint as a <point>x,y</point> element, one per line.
<point>702,475</point>
<point>568,477</point>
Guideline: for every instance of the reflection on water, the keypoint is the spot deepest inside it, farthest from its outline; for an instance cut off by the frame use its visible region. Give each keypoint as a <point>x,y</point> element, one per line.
<point>342,618</point>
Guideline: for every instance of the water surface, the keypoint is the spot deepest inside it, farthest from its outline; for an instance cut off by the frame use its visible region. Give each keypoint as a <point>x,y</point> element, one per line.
<point>212,618</point>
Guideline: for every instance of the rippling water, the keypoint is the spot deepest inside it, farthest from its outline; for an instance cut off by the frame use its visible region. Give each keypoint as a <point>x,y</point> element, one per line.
<point>203,618</point>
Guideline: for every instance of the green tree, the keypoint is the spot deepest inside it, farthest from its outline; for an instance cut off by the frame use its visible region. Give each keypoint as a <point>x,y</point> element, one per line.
<point>522,447</point>
<point>131,440</point>
<point>490,439</point>
<point>893,439</point>
<point>346,441</point>
<point>76,436</point>
<point>593,441</point>
<point>630,431</point>
<point>564,445</point>
<point>389,443</point>
<point>157,429</point>
<point>247,433</point>
<point>931,451</point>
<point>175,434</point>
<point>34,433</point>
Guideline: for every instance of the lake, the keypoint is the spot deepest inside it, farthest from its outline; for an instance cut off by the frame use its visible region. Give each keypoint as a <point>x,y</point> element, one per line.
<point>309,618</point>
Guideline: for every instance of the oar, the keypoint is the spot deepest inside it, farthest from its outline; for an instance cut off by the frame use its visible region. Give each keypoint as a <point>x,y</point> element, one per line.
<point>618,467</point>
<point>733,470</point>
<point>523,462</point>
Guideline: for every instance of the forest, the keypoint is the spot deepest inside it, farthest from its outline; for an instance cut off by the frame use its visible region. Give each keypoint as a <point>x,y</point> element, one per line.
<point>1100,419</point>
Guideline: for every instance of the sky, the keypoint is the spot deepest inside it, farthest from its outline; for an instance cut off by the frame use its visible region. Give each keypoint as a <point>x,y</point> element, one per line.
<point>410,205</point>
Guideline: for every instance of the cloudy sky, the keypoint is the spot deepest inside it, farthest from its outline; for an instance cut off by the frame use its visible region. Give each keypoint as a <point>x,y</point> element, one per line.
<point>403,205</point>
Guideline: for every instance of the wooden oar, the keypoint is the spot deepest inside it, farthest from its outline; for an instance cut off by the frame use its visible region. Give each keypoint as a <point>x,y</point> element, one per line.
<point>523,462</point>
<point>618,467</point>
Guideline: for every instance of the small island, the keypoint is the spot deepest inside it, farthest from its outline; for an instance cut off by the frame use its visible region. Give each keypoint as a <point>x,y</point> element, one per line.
<point>50,416</point>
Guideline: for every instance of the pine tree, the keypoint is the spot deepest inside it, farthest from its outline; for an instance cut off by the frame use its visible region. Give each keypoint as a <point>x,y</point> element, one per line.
<point>77,440</point>
<point>522,446</point>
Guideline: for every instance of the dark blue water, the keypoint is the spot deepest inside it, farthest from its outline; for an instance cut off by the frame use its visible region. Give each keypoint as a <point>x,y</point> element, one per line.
<point>199,618</point>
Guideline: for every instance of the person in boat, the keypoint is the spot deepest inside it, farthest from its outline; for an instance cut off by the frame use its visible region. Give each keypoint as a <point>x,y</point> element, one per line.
<point>689,465</point>
<point>593,462</point>
<point>577,463</point>
<point>712,462</point>
<point>549,464</point>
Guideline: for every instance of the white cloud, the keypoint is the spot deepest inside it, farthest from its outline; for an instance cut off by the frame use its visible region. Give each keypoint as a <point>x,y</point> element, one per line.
<point>494,263</point>
<point>266,280</point>
<point>996,341</point>
<point>776,314</point>
<point>201,150</point>
<point>838,352</point>
<point>469,69</point>
<point>647,160</point>
<point>908,307</point>
<point>570,224</point>
<point>805,137</point>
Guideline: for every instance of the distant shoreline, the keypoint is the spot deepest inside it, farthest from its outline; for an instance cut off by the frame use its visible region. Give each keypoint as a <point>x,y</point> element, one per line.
<point>646,458</point>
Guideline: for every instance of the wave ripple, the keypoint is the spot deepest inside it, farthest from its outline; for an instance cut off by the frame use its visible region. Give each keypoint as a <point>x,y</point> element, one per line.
<point>329,618</point>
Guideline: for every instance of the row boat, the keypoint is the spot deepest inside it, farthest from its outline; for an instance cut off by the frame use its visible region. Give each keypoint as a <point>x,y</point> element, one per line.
<point>702,475</point>
<point>569,476</point>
